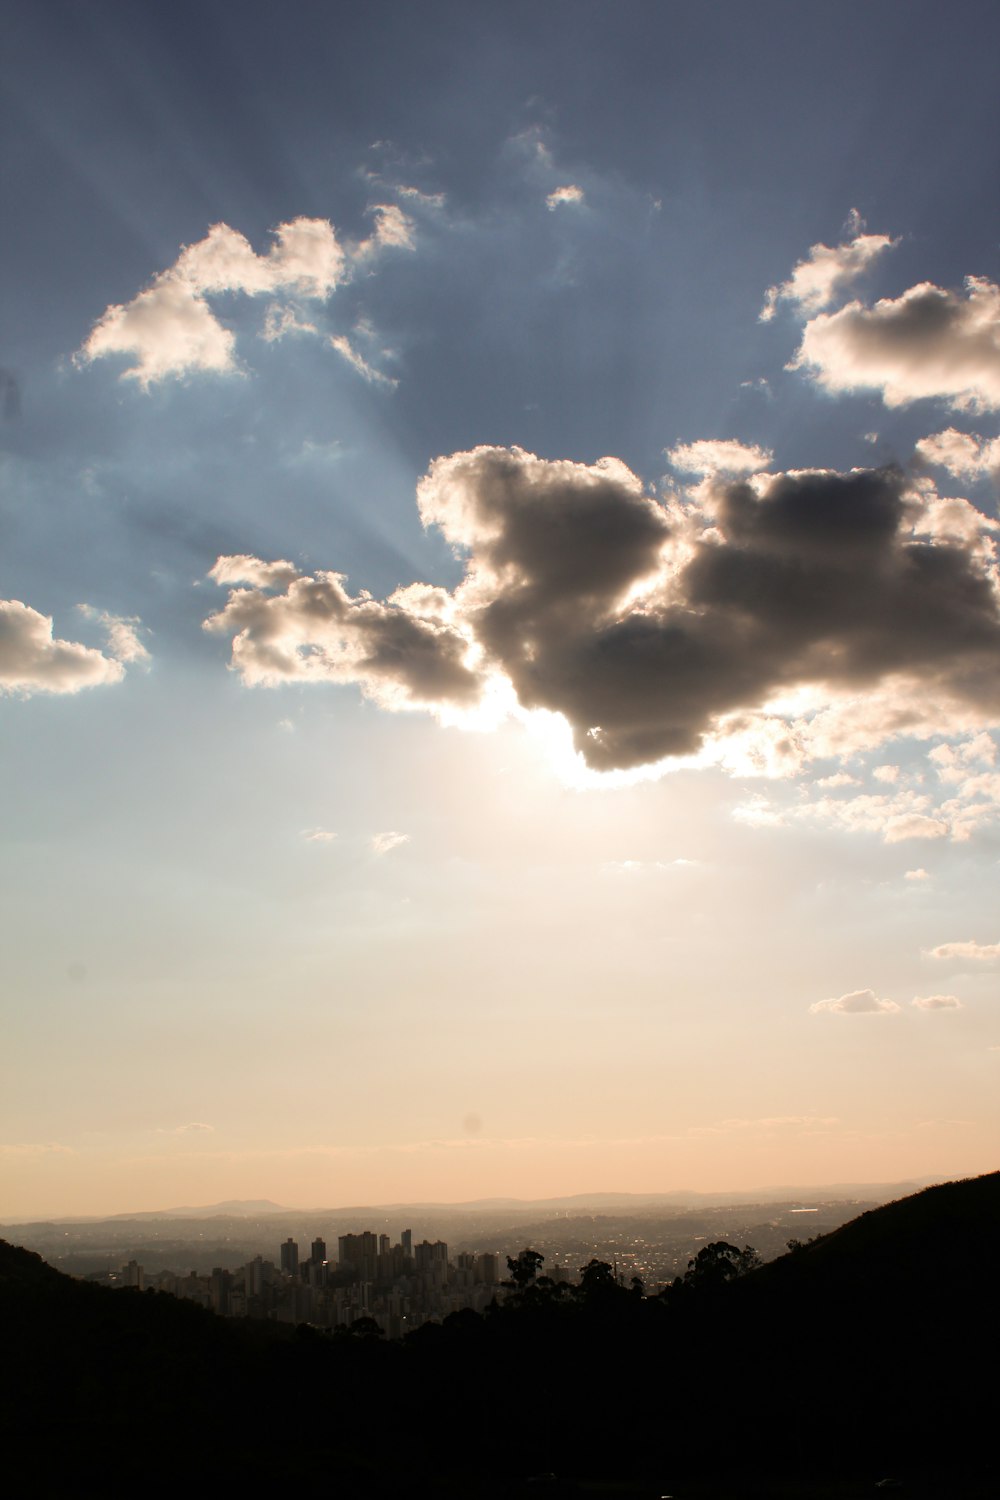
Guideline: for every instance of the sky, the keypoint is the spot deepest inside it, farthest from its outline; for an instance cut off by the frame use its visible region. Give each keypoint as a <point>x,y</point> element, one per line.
<point>499,621</point>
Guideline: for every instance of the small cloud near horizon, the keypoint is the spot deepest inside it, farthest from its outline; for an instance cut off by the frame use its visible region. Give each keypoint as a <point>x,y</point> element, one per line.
<point>384,843</point>
<point>857,1003</point>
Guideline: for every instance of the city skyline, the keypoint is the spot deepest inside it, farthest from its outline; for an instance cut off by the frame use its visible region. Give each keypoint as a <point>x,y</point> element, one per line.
<point>499,624</point>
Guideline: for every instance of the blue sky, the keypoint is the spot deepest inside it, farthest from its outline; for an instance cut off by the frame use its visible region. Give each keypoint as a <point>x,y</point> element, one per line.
<point>653,843</point>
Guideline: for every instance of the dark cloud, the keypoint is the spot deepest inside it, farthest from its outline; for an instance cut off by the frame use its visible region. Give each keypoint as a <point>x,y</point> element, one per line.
<point>646,624</point>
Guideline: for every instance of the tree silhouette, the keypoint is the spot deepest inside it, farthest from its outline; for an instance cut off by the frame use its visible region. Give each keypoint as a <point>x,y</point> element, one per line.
<point>719,1263</point>
<point>524,1269</point>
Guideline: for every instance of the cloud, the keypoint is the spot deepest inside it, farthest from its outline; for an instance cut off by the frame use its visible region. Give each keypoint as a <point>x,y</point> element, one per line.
<point>827,271</point>
<point>244,569</point>
<point>318,835</point>
<point>384,843</point>
<point>403,653</point>
<point>919,874</point>
<point>966,797</point>
<point>964,454</point>
<point>393,230</point>
<point>887,774</point>
<point>718,456</point>
<point>170,329</point>
<point>280,321</point>
<point>936,1002</point>
<point>760,622</point>
<point>928,343</point>
<point>979,952</point>
<point>33,661</point>
<point>562,195</point>
<point>122,632</point>
<point>857,1003</point>
<point>897,818</point>
<point>422,199</point>
<point>196,1127</point>
<point>357,361</point>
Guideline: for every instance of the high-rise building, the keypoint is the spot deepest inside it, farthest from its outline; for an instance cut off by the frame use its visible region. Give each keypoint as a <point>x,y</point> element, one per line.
<point>317,1250</point>
<point>220,1288</point>
<point>426,1253</point>
<point>488,1268</point>
<point>358,1253</point>
<point>290,1258</point>
<point>134,1276</point>
<point>406,1240</point>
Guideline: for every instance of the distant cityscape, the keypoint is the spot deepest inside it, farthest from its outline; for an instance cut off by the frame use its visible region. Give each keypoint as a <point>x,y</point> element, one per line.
<point>257,1260</point>
<point>257,1267</point>
<point>398,1286</point>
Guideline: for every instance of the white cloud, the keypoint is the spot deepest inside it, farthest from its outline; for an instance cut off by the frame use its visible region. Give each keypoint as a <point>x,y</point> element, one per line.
<point>907,814</point>
<point>384,843</point>
<point>928,343</point>
<point>196,1127</point>
<point>318,835</point>
<point>954,762</point>
<point>357,361</point>
<point>393,231</point>
<point>305,258</point>
<point>888,774</point>
<point>170,328</point>
<point>982,953</point>
<point>718,456</point>
<point>33,661</point>
<point>122,632</point>
<point>827,270</point>
<point>903,826</point>
<point>918,874</point>
<point>936,1002</point>
<point>560,195</point>
<point>245,569</point>
<point>403,653</point>
<point>280,321</point>
<point>424,200</point>
<point>964,454</point>
<point>856,1003</point>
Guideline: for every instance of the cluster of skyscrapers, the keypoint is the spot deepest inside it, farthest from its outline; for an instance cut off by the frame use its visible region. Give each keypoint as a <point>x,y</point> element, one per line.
<point>398,1286</point>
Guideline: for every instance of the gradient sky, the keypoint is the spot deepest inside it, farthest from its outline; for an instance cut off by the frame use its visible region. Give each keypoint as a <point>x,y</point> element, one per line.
<point>652,841</point>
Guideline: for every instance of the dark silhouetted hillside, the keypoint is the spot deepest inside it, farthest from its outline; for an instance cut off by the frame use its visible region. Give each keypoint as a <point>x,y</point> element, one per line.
<point>866,1353</point>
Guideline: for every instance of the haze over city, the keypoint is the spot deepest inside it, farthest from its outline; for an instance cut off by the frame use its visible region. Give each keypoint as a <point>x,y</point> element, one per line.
<point>499,621</point>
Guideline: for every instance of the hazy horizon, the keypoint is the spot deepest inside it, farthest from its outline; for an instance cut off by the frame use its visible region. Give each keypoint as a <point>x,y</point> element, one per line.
<point>759,1195</point>
<point>499,610</point>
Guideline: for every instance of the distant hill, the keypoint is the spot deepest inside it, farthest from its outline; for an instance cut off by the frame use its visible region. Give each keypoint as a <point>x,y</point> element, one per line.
<point>237,1207</point>
<point>870,1192</point>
